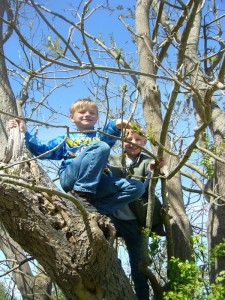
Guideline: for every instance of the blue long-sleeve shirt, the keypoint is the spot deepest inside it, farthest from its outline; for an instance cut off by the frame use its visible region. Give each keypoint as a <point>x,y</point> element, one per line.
<point>71,146</point>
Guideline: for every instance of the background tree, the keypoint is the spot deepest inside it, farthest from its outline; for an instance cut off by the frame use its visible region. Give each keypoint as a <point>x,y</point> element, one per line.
<point>164,66</point>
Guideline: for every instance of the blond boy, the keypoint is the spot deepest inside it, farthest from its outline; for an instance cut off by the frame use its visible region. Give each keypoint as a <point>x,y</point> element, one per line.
<point>84,155</point>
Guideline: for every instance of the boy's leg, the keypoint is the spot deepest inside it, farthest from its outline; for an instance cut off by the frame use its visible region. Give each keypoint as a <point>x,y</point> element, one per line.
<point>157,223</point>
<point>113,193</point>
<point>129,231</point>
<point>85,170</point>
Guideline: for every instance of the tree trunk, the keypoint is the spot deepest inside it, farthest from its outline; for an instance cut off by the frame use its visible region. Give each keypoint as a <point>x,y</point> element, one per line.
<point>212,115</point>
<point>22,273</point>
<point>216,218</point>
<point>73,250</point>
<point>9,104</point>
<point>150,94</point>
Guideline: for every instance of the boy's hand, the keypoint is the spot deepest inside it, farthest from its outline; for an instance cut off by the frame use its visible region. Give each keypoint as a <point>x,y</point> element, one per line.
<point>120,124</point>
<point>17,122</point>
<point>158,165</point>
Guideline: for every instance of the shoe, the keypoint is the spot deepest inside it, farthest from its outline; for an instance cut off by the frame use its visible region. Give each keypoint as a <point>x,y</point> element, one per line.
<point>159,229</point>
<point>85,199</point>
<point>84,195</point>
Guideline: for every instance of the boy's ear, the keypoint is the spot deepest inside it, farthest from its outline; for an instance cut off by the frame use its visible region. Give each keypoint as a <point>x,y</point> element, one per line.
<point>71,117</point>
<point>144,142</point>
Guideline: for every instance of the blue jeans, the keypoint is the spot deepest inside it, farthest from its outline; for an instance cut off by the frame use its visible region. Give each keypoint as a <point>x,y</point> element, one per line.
<point>85,174</point>
<point>130,232</point>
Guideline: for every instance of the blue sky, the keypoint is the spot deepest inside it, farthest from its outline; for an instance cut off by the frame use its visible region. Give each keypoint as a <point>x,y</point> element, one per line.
<point>102,23</point>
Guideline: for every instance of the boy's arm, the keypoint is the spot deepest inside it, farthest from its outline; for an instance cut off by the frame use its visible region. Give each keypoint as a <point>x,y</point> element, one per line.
<point>112,130</point>
<point>50,150</point>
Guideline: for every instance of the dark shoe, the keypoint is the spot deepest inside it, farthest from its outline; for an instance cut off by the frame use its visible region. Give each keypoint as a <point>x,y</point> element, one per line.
<point>84,195</point>
<point>85,199</point>
<point>159,229</point>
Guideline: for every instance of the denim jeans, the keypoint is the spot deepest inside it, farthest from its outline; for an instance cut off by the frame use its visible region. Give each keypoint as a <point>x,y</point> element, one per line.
<point>129,231</point>
<point>85,173</point>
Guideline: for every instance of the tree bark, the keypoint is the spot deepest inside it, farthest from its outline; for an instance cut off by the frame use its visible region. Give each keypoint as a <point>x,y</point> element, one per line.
<point>31,287</point>
<point>74,251</point>
<point>216,218</point>
<point>9,104</point>
<point>151,98</point>
<point>212,115</point>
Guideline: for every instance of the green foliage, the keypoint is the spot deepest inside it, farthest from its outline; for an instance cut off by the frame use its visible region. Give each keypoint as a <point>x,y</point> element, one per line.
<point>136,128</point>
<point>4,295</point>
<point>223,143</point>
<point>151,136</point>
<point>218,251</point>
<point>208,165</point>
<point>189,281</point>
<point>119,53</point>
<point>200,248</point>
<point>146,231</point>
<point>155,244</point>
<point>211,146</point>
<point>54,46</point>
<point>124,89</point>
<point>31,72</point>
<point>185,280</point>
<point>218,289</point>
<point>207,162</point>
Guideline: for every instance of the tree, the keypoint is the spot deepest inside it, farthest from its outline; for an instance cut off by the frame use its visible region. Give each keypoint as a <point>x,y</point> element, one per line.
<point>178,82</point>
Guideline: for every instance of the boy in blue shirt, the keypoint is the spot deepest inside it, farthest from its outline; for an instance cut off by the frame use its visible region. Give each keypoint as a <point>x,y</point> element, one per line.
<point>84,156</point>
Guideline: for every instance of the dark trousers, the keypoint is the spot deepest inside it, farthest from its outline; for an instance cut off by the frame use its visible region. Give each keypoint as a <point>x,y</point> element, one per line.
<point>130,232</point>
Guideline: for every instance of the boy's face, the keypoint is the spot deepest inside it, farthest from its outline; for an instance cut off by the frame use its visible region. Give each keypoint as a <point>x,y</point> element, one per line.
<point>85,118</point>
<point>132,150</point>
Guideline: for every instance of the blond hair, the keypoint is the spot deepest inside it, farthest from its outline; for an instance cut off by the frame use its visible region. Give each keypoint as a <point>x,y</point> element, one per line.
<point>81,104</point>
<point>139,131</point>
